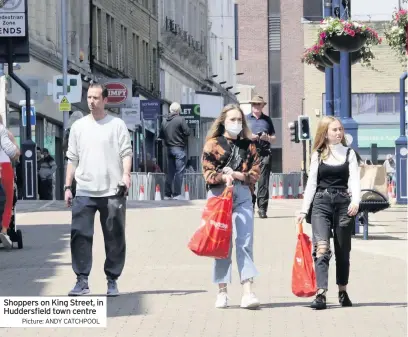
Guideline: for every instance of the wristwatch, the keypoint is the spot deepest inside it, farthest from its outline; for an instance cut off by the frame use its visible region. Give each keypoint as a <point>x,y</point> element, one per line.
<point>67,188</point>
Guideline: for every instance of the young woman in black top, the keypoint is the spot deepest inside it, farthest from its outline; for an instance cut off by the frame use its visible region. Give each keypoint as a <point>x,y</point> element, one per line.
<point>334,172</point>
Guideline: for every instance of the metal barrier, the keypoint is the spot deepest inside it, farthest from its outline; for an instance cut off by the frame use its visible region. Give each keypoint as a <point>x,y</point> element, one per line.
<point>279,184</point>
<point>154,179</point>
<point>196,185</point>
<point>138,180</point>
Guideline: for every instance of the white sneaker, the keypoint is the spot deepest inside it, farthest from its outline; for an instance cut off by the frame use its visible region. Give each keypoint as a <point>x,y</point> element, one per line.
<point>222,300</point>
<point>179,197</point>
<point>5,240</point>
<point>250,301</point>
<point>167,198</point>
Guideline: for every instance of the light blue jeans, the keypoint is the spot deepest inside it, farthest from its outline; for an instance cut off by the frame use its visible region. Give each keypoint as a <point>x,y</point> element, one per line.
<point>243,232</point>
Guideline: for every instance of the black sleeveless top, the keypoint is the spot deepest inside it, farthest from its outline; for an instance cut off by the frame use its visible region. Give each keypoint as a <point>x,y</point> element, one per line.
<point>333,176</point>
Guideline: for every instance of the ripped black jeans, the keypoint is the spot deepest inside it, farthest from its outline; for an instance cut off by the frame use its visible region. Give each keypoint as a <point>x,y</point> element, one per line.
<point>329,212</point>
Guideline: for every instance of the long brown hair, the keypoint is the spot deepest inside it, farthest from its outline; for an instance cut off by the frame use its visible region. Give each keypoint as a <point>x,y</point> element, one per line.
<point>217,128</point>
<point>320,142</point>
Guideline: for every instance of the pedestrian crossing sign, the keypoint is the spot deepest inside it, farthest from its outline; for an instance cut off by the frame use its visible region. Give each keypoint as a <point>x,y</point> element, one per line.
<point>64,104</point>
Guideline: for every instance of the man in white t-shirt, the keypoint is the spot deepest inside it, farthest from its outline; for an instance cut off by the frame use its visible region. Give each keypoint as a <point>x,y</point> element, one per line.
<point>100,155</point>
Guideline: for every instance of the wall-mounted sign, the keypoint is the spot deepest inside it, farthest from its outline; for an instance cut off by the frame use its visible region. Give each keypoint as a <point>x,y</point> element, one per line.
<point>381,137</point>
<point>191,113</point>
<point>150,109</point>
<point>131,116</point>
<point>13,18</point>
<point>119,92</point>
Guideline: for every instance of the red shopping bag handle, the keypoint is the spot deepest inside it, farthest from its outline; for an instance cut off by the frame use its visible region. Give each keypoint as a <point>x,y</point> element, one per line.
<point>227,192</point>
<point>299,228</point>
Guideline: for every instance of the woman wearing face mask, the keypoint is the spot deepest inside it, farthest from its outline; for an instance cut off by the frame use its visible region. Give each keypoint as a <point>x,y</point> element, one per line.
<point>230,158</point>
<point>333,172</point>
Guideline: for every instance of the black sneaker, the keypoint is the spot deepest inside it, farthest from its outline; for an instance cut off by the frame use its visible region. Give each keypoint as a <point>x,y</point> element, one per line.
<point>112,288</point>
<point>262,214</point>
<point>319,302</point>
<point>344,299</point>
<point>81,287</point>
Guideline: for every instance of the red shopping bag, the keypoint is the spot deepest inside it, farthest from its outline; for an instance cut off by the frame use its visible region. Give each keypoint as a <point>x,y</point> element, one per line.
<point>303,274</point>
<point>213,237</point>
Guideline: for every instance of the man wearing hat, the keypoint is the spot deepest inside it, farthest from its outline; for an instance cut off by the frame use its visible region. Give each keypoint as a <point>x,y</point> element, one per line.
<point>263,134</point>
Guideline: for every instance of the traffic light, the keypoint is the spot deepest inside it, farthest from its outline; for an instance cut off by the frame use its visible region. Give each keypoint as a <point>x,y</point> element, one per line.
<point>294,131</point>
<point>304,128</point>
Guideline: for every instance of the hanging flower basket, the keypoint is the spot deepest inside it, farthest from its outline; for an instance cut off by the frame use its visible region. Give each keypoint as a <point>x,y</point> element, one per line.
<point>364,56</point>
<point>334,56</point>
<point>315,55</point>
<point>323,60</point>
<point>396,34</point>
<point>347,43</point>
<point>347,36</point>
<point>320,68</point>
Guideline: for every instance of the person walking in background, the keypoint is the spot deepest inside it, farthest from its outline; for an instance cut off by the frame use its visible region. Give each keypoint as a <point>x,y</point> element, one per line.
<point>174,131</point>
<point>263,134</point>
<point>151,165</point>
<point>100,156</point>
<point>156,167</point>
<point>9,151</point>
<point>46,169</point>
<point>334,169</point>
<point>230,158</point>
<point>389,165</point>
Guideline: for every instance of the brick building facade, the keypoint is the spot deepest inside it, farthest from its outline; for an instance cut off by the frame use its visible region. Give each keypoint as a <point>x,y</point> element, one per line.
<point>270,40</point>
<point>253,44</point>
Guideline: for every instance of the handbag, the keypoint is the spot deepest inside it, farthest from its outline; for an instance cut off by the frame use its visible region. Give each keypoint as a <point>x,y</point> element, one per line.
<point>303,273</point>
<point>374,183</point>
<point>213,237</point>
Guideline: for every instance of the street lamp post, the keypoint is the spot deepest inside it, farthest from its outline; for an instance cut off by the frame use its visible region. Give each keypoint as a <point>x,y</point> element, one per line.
<point>336,70</point>
<point>328,71</point>
<point>350,125</point>
<point>401,150</point>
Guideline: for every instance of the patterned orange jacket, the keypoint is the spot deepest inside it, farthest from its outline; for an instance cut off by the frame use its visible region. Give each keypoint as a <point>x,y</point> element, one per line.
<point>215,156</point>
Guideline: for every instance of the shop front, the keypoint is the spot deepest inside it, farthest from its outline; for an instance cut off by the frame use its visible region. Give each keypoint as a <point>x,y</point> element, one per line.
<point>382,136</point>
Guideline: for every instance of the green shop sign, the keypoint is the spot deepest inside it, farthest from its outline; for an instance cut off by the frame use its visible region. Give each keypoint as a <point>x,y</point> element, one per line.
<point>381,137</point>
<point>191,113</point>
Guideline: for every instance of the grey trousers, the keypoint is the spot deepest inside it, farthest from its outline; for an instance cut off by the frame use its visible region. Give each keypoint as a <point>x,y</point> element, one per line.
<point>112,212</point>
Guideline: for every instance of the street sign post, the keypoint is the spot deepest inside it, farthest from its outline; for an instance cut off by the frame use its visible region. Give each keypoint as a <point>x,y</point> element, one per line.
<point>32,116</point>
<point>401,149</point>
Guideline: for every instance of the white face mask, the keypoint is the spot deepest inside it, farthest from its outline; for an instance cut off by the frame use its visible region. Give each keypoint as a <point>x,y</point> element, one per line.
<point>233,128</point>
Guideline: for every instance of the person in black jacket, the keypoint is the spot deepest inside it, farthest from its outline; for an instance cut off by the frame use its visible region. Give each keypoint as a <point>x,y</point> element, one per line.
<point>263,135</point>
<point>174,131</point>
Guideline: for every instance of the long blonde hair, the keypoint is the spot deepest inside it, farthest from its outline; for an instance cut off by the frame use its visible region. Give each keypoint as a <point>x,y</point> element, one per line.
<point>217,128</point>
<point>320,142</point>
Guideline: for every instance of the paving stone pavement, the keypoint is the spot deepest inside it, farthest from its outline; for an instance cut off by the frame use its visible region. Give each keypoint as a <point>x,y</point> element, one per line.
<point>167,290</point>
